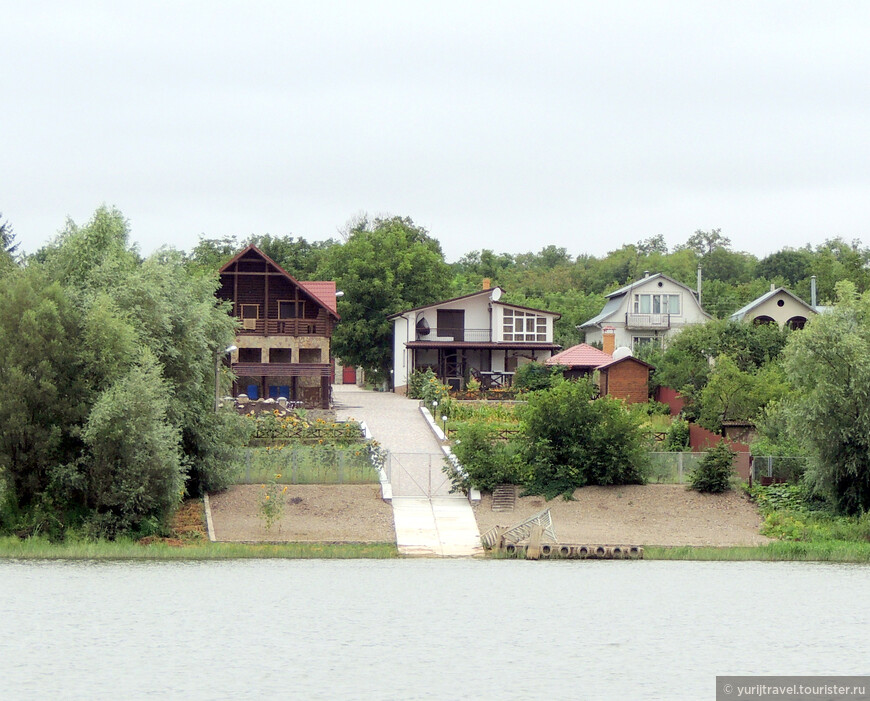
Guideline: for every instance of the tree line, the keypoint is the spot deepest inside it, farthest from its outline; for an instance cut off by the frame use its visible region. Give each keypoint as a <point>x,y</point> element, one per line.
<point>108,372</point>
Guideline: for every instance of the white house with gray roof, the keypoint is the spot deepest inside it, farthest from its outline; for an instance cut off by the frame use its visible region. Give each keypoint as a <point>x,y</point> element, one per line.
<point>778,306</point>
<point>646,311</point>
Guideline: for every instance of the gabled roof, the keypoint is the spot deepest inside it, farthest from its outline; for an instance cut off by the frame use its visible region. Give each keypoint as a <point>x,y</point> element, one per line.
<point>625,359</point>
<point>582,355</point>
<point>316,290</point>
<point>323,290</point>
<point>469,296</point>
<point>614,299</point>
<point>649,278</point>
<point>446,301</point>
<point>743,311</point>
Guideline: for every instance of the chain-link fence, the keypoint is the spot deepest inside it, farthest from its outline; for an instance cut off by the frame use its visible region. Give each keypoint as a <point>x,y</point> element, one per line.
<point>673,468</point>
<point>308,465</point>
<point>768,469</point>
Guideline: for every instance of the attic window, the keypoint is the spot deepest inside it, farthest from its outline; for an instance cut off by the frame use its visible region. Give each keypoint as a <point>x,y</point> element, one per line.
<point>286,309</point>
<point>250,311</point>
<point>780,303</point>
<point>524,326</point>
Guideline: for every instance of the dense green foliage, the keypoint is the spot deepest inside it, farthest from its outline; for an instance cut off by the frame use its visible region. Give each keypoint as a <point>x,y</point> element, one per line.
<point>532,377</point>
<point>486,460</point>
<point>715,471</point>
<point>572,441</point>
<point>108,374</point>
<point>828,364</point>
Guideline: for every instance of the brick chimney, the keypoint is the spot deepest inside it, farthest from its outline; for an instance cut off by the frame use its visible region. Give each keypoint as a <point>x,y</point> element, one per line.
<point>486,283</point>
<point>608,339</point>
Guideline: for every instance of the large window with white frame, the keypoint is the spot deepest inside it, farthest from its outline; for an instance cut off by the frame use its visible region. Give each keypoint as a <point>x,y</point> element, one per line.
<point>520,325</point>
<point>656,304</point>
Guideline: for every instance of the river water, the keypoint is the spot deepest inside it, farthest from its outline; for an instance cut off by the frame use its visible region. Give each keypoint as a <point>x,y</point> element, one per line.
<point>421,629</point>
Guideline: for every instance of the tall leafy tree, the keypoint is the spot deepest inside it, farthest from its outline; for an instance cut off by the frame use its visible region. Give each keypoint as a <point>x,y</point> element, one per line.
<point>828,364</point>
<point>383,267</point>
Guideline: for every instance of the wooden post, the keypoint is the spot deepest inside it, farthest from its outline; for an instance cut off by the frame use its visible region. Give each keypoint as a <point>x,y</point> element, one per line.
<point>533,551</point>
<point>324,392</point>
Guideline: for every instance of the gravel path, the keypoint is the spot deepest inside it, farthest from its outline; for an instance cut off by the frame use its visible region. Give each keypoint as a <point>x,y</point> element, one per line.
<point>654,514</point>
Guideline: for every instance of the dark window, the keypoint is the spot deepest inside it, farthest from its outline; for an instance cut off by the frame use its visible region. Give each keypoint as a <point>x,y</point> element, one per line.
<point>250,355</point>
<point>279,355</point>
<point>310,355</point>
<point>286,309</point>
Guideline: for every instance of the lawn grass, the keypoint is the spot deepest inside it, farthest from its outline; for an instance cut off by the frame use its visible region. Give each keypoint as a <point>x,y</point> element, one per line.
<point>38,548</point>
<point>779,551</point>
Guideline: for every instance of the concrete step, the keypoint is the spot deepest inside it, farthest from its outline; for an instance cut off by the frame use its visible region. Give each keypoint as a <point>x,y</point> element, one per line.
<point>504,497</point>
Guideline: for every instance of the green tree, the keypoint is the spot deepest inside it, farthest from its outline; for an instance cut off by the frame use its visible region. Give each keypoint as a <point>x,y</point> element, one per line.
<point>713,475</point>
<point>828,364</point>
<point>734,394</point>
<point>572,441</point>
<point>7,238</point>
<point>703,243</point>
<point>687,362</point>
<point>46,397</point>
<point>135,471</point>
<point>382,268</point>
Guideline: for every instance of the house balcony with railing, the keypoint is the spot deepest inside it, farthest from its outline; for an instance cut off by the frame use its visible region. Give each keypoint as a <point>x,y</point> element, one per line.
<point>282,327</point>
<point>448,335</point>
<point>647,321</point>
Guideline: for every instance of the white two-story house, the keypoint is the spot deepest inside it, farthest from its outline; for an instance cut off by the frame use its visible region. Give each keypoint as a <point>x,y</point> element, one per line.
<point>646,311</point>
<point>476,335</point>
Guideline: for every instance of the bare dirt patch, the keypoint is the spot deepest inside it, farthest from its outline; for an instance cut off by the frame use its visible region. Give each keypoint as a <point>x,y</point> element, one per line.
<point>653,514</point>
<point>344,513</point>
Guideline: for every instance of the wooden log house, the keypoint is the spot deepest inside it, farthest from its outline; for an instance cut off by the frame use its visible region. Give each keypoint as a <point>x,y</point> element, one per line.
<point>285,329</point>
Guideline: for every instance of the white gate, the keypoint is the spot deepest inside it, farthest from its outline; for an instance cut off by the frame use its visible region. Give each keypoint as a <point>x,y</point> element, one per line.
<point>417,474</point>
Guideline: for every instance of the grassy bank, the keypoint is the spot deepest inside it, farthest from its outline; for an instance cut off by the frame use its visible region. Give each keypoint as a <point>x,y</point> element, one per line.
<point>780,551</point>
<point>42,549</point>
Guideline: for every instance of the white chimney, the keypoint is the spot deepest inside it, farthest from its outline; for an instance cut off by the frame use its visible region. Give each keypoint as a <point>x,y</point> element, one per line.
<point>813,291</point>
<point>699,284</point>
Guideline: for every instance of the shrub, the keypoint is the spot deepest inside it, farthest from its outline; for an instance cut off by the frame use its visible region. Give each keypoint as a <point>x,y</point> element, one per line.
<point>533,377</point>
<point>487,461</point>
<point>678,435</point>
<point>417,381</point>
<point>713,474</point>
<point>573,441</point>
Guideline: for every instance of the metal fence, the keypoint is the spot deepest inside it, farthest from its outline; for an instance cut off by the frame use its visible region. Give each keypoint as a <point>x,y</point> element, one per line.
<point>307,465</point>
<point>768,469</point>
<point>417,474</point>
<point>673,468</point>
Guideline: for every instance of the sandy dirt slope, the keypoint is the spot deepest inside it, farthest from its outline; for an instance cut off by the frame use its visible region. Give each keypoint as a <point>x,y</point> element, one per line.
<point>655,514</point>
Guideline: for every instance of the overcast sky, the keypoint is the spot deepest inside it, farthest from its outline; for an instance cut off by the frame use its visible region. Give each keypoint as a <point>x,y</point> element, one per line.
<point>495,125</point>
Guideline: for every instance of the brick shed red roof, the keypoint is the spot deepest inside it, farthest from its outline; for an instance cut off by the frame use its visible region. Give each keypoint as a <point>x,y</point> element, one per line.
<point>583,356</point>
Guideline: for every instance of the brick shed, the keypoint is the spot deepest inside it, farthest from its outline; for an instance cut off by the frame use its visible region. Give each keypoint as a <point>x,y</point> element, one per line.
<point>626,378</point>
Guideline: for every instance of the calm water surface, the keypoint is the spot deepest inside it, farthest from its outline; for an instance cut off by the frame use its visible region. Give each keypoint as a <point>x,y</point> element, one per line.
<point>422,629</point>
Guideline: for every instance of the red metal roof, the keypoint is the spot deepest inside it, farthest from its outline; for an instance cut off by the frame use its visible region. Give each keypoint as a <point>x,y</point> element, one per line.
<point>324,290</point>
<point>583,355</point>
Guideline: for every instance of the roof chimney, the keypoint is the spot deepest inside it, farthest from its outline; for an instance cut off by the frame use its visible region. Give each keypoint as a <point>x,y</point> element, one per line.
<point>608,339</point>
<point>646,273</point>
<point>813,291</point>
<point>772,287</point>
<point>699,284</point>
<point>486,283</point>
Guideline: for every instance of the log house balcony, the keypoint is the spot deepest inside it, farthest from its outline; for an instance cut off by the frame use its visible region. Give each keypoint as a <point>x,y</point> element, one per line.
<point>282,327</point>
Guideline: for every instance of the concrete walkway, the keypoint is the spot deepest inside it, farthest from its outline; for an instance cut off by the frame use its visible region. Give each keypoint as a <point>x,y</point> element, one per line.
<point>428,519</point>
